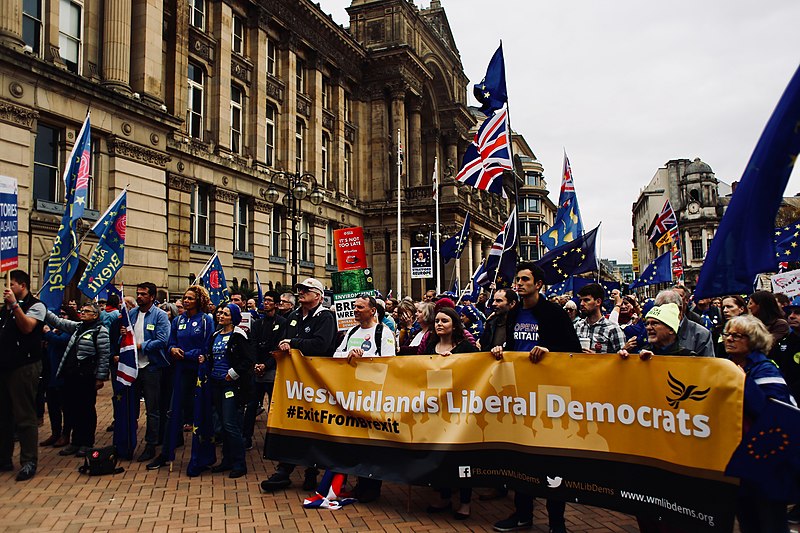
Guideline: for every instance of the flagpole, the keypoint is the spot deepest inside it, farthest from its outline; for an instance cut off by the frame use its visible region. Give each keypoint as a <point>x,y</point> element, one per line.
<point>399,223</point>
<point>513,166</point>
<point>438,235</point>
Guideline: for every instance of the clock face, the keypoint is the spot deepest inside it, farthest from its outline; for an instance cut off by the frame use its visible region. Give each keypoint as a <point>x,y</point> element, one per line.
<point>694,207</point>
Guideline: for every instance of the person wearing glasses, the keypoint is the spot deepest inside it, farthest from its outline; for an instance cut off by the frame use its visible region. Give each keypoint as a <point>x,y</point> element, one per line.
<point>286,304</point>
<point>311,329</point>
<point>661,325</point>
<point>84,369</point>
<point>747,341</point>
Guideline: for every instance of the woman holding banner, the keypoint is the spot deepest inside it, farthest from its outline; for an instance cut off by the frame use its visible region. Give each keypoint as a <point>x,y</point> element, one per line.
<point>747,340</point>
<point>448,338</point>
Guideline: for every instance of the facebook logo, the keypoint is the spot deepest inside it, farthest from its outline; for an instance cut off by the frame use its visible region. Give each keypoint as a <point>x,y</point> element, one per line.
<point>464,471</point>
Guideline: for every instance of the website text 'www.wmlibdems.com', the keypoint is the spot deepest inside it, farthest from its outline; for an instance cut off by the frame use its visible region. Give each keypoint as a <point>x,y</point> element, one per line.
<point>666,504</point>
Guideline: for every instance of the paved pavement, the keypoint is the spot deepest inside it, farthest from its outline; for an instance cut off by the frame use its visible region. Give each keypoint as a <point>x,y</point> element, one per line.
<point>58,498</point>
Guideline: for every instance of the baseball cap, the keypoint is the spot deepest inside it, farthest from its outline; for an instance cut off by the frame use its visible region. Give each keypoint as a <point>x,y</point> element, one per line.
<point>311,284</point>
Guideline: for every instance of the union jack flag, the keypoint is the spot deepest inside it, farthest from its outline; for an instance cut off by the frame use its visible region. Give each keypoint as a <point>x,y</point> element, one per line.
<point>663,222</point>
<point>567,185</point>
<point>488,156</point>
<point>127,368</point>
<point>501,262</point>
<point>677,261</point>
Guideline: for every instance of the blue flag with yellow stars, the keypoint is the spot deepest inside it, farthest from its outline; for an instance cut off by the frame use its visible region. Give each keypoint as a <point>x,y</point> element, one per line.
<point>769,455</point>
<point>204,453</point>
<point>213,279</point>
<point>575,257</point>
<point>659,271</point>
<point>787,243</point>
<point>109,254</point>
<point>125,403</point>
<point>491,92</point>
<point>743,245</point>
<point>453,247</point>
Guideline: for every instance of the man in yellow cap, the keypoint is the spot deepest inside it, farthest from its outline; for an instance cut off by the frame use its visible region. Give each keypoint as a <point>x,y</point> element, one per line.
<point>661,325</point>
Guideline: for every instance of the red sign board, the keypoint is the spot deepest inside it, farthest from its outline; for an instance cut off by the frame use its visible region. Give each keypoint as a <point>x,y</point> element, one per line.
<point>350,252</point>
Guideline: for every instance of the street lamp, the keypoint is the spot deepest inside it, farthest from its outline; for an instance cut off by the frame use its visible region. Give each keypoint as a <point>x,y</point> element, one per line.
<point>299,186</point>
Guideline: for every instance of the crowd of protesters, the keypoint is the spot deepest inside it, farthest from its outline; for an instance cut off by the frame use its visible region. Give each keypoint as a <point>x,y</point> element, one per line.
<point>63,359</point>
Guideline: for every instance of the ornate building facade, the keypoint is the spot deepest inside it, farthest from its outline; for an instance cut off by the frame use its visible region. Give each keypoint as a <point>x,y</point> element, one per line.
<point>201,107</point>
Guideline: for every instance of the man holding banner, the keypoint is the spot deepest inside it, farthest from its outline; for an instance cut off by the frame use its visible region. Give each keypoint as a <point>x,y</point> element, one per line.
<point>536,326</point>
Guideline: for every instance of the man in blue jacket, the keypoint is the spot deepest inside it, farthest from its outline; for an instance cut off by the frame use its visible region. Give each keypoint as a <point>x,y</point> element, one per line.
<point>151,332</point>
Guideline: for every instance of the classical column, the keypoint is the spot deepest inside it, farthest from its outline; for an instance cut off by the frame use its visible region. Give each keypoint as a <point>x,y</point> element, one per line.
<point>147,61</point>
<point>11,23</point>
<point>117,44</point>
<point>415,141</point>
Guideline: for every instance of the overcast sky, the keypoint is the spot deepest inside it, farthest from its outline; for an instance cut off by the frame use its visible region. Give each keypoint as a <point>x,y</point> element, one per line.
<point>626,85</point>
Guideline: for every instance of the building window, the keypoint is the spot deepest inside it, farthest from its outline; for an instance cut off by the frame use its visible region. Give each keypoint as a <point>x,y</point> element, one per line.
<point>299,146</point>
<point>305,239</point>
<point>236,119</point>
<point>272,58</point>
<point>697,249</point>
<point>529,205</point>
<point>70,34</point>
<point>32,24</point>
<point>347,107</point>
<point>530,252</point>
<point>238,35</point>
<point>532,178</point>
<point>529,228</point>
<point>326,92</point>
<point>194,115</point>
<point>300,77</point>
<point>330,251</point>
<point>45,163</point>
<point>197,14</point>
<point>199,215</point>
<point>276,227</point>
<point>348,168</point>
<point>242,224</point>
<point>326,141</point>
<point>271,117</point>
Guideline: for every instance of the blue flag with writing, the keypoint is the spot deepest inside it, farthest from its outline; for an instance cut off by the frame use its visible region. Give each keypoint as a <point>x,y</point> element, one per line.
<point>659,271</point>
<point>63,261</point>
<point>109,254</point>
<point>743,245</point>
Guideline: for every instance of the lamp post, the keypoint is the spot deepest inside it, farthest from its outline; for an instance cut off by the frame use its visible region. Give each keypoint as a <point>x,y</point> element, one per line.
<point>299,186</point>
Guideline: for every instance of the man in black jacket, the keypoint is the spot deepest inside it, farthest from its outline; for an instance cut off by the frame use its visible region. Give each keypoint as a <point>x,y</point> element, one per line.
<point>312,330</point>
<point>537,326</point>
<point>265,333</point>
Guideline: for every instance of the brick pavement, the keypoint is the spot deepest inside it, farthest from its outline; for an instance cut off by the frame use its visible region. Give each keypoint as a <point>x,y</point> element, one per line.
<point>58,498</point>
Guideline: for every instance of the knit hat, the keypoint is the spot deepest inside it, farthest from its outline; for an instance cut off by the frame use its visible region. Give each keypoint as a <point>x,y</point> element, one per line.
<point>667,314</point>
<point>443,302</point>
<point>236,314</point>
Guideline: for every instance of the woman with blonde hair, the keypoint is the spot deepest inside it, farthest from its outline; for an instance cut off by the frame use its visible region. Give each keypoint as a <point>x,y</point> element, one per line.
<point>747,341</point>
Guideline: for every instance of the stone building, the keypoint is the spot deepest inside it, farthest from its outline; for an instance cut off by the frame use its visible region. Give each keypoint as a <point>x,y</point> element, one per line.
<point>697,197</point>
<point>201,108</point>
<point>535,208</point>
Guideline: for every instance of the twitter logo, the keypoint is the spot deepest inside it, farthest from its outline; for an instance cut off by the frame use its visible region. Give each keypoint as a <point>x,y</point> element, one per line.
<point>554,482</point>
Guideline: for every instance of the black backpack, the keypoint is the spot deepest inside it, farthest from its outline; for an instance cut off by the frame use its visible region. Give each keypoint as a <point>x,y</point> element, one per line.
<point>101,461</point>
<point>378,336</point>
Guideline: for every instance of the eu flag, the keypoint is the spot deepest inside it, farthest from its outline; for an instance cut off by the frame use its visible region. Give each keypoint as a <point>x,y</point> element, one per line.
<point>769,455</point>
<point>560,288</point>
<point>576,257</point>
<point>453,247</point>
<point>659,271</point>
<point>109,254</point>
<point>491,92</point>
<point>203,453</point>
<point>568,225</point>
<point>743,245</point>
<point>787,243</point>
<point>213,279</point>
